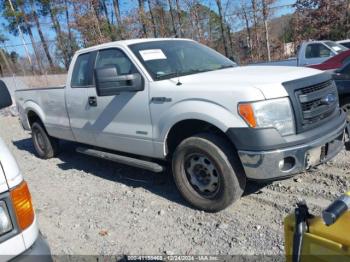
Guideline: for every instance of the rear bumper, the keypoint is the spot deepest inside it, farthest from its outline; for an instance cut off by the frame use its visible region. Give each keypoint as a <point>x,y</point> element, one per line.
<point>279,163</point>
<point>39,251</point>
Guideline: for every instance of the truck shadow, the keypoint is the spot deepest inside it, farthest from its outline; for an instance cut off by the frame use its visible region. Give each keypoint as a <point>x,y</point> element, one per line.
<point>161,184</point>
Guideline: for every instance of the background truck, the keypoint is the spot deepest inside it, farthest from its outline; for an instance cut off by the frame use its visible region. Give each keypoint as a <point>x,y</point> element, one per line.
<point>20,238</point>
<point>311,53</point>
<point>151,102</point>
<point>341,77</point>
<point>345,43</point>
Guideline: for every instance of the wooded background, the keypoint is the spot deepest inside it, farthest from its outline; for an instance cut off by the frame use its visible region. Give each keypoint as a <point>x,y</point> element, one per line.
<point>246,30</point>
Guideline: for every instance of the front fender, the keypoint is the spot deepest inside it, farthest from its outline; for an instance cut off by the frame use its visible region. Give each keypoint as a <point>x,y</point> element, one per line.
<point>207,111</point>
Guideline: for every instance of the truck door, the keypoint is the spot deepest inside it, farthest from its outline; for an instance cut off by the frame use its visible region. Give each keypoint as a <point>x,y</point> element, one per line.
<point>316,53</point>
<point>121,122</point>
<point>77,101</point>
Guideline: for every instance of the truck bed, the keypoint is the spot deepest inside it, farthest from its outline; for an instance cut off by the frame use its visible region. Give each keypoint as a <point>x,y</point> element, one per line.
<point>40,88</point>
<point>50,104</point>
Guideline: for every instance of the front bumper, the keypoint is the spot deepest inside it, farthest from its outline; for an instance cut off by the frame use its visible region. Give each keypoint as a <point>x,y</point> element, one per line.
<point>280,163</point>
<point>39,251</point>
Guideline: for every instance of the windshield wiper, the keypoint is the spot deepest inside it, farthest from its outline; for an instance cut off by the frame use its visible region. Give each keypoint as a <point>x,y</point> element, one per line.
<point>196,71</point>
<point>189,72</point>
<point>169,75</point>
<point>227,66</point>
<point>179,73</point>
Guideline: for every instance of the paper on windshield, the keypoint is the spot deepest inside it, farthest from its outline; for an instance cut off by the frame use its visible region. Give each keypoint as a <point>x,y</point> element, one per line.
<point>336,48</point>
<point>152,54</point>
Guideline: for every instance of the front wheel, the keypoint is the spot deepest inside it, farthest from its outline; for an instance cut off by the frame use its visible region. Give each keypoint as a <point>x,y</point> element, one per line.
<point>207,172</point>
<point>45,146</point>
<point>346,108</point>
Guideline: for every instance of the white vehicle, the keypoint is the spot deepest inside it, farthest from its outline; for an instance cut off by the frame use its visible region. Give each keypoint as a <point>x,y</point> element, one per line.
<point>149,102</point>
<point>20,239</point>
<point>310,53</point>
<point>345,43</point>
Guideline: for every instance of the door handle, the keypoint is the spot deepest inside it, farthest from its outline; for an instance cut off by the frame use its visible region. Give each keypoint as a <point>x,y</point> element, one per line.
<point>92,101</point>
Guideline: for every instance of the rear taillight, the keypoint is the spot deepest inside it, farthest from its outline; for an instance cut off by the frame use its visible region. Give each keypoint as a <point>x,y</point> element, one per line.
<point>23,206</point>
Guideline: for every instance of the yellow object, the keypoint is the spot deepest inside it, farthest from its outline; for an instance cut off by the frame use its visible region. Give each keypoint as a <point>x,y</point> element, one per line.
<point>347,193</point>
<point>22,202</point>
<point>247,112</point>
<point>321,243</point>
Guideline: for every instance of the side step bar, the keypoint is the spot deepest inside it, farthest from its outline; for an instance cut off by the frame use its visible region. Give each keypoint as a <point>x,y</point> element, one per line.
<point>151,166</point>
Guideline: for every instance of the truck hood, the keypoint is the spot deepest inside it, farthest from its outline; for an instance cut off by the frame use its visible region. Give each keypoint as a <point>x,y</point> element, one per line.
<point>10,175</point>
<point>267,79</point>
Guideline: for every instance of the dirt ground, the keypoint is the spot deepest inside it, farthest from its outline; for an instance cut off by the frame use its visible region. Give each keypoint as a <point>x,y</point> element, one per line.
<point>91,206</point>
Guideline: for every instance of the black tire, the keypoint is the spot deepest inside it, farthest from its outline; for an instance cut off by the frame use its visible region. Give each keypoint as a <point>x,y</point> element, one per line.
<point>345,105</point>
<point>222,156</point>
<point>45,146</point>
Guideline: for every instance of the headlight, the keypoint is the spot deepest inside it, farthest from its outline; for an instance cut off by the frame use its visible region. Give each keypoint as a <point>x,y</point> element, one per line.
<point>275,113</point>
<point>5,221</point>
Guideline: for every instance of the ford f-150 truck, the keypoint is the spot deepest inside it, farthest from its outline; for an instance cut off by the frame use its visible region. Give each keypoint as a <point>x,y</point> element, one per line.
<point>20,239</point>
<point>146,102</point>
<point>311,53</point>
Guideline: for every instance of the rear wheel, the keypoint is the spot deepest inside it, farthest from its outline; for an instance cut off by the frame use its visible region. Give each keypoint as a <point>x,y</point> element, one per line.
<point>207,172</point>
<point>45,146</point>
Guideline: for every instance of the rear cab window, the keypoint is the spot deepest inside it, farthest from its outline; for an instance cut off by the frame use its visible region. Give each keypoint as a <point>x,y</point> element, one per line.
<point>82,73</point>
<point>317,50</point>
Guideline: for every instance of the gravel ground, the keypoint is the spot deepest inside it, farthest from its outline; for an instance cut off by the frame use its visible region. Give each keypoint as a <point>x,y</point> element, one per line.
<point>91,206</point>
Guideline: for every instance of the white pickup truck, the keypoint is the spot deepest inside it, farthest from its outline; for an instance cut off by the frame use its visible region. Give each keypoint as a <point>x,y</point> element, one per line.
<point>20,239</point>
<point>147,102</point>
<point>310,53</point>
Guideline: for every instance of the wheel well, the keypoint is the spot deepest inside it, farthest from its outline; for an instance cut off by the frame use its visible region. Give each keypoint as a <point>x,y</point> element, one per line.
<point>33,117</point>
<point>344,100</point>
<point>188,128</point>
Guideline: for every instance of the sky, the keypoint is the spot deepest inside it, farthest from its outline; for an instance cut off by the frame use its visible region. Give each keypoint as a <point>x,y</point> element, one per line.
<point>15,43</point>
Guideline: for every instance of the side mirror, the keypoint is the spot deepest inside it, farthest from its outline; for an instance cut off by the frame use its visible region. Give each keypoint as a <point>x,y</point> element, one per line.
<point>109,82</point>
<point>337,75</point>
<point>5,97</point>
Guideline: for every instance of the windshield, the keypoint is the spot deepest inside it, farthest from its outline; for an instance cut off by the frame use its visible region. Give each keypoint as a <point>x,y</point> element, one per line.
<point>168,59</point>
<point>338,48</point>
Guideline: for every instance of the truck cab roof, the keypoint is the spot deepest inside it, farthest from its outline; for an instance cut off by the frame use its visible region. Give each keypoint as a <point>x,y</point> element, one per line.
<point>126,43</point>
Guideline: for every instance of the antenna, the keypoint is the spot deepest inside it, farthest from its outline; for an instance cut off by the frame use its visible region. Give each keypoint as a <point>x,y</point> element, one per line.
<point>178,78</point>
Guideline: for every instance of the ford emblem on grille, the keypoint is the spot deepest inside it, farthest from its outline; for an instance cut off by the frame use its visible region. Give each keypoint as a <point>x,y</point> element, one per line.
<point>329,99</point>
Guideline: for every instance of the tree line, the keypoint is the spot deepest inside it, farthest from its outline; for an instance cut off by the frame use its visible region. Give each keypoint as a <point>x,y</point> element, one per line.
<point>244,30</point>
